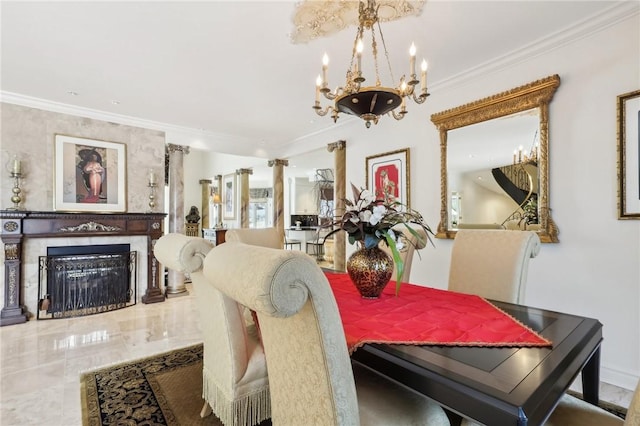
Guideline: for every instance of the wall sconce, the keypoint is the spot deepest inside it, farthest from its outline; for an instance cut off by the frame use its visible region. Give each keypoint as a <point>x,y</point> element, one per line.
<point>16,174</point>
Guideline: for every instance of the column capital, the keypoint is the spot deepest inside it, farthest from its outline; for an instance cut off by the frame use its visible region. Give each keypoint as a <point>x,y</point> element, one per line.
<point>341,144</point>
<point>208,181</point>
<point>244,171</point>
<point>278,162</point>
<point>175,148</point>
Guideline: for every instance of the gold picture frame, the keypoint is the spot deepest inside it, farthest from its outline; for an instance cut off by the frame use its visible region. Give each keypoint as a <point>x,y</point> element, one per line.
<point>387,176</point>
<point>628,116</point>
<point>89,175</point>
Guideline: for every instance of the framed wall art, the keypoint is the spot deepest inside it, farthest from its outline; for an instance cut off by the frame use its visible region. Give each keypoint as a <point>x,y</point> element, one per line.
<point>628,110</point>
<point>89,175</point>
<point>229,196</point>
<point>387,176</point>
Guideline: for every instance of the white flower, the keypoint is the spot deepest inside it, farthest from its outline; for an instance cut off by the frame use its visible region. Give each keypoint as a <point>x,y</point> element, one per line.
<point>367,197</point>
<point>365,215</point>
<point>377,215</point>
<point>399,243</point>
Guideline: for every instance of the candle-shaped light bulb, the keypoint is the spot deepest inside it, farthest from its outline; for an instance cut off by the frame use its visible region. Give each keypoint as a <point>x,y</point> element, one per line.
<point>412,59</point>
<point>423,74</point>
<point>152,177</point>
<point>359,49</point>
<point>318,84</point>
<point>515,153</point>
<point>403,89</point>
<point>325,66</point>
<point>17,166</point>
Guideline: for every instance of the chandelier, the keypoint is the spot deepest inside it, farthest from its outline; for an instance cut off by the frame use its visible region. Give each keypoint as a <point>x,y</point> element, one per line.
<point>370,102</point>
<point>520,155</point>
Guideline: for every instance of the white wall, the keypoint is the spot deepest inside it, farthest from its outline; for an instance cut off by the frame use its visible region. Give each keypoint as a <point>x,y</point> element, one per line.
<point>595,269</point>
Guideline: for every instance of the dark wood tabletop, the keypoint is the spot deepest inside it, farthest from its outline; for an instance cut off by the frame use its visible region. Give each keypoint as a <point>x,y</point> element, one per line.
<point>499,386</point>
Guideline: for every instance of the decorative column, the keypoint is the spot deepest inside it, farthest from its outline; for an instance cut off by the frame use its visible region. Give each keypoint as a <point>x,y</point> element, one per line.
<point>278,194</point>
<point>175,286</point>
<point>244,196</point>
<point>219,203</point>
<point>206,200</point>
<point>339,149</point>
<point>12,311</point>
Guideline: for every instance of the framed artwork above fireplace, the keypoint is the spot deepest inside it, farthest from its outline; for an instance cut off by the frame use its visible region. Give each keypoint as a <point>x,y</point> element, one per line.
<point>89,175</point>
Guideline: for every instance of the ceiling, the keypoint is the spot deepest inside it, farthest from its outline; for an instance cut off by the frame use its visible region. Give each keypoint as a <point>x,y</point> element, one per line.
<point>224,74</point>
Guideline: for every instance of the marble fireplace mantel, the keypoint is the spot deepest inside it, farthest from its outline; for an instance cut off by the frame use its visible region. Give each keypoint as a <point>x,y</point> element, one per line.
<point>17,226</point>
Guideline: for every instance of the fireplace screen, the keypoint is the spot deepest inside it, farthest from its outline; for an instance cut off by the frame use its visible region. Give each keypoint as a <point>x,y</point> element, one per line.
<point>84,280</point>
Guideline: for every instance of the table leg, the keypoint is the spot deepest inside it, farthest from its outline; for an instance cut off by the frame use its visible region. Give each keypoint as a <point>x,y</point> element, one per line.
<point>591,379</point>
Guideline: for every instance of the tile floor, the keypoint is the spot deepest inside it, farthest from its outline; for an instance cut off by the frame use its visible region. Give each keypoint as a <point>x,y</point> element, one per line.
<point>41,361</point>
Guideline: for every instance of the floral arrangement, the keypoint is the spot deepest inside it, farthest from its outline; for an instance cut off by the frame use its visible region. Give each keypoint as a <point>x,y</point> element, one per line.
<point>369,220</point>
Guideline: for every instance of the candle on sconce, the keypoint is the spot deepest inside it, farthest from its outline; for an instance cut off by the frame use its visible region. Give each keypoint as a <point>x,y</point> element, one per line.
<point>325,66</point>
<point>318,84</point>
<point>423,75</point>
<point>17,166</point>
<point>152,178</point>
<point>412,59</point>
<point>520,154</point>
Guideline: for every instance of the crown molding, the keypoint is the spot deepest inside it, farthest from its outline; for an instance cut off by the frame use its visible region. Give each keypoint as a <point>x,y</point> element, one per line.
<point>613,15</point>
<point>180,135</point>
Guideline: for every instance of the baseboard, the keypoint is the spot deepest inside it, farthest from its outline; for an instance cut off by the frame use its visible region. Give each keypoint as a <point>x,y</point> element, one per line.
<point>618,378</point>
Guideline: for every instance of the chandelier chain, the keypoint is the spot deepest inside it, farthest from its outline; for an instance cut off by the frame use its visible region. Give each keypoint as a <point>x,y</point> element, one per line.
<point>386,53</point>
<point>374,47</point>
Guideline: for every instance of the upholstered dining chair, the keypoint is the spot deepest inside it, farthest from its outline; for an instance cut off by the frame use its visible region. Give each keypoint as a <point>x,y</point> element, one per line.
<point>572,411</point>
<point>235,381</point>
<point>492,263</point>
<point>411,244</point>
<point>265,237</point>
<point>311,378</point>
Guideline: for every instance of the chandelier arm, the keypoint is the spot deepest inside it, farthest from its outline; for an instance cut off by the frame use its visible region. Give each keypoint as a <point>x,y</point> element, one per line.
<point>398,116</point>
<point>419,99</point>
<point>322,112</point>
<point>332,95</point>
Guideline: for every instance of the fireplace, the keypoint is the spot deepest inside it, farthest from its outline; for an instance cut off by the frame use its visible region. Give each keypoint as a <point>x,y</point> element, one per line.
<point>84,280</point>
<point>27,234</point>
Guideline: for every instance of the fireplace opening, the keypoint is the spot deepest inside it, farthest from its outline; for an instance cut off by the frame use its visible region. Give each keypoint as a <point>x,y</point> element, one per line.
<point>85,280</point>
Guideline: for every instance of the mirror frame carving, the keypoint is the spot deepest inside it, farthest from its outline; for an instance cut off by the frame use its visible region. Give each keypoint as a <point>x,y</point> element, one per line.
<point>537,94</point>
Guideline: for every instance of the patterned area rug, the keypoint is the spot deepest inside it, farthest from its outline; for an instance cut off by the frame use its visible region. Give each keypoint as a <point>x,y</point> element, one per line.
<point>164,389</point>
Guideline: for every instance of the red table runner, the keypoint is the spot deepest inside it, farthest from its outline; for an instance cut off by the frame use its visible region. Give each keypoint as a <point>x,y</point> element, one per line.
<point>426,316</point>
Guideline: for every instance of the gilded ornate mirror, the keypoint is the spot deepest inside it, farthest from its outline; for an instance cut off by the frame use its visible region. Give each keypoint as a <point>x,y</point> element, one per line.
<point>494,157</point>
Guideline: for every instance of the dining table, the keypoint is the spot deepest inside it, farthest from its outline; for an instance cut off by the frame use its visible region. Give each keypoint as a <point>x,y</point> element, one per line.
<point>488,371</point>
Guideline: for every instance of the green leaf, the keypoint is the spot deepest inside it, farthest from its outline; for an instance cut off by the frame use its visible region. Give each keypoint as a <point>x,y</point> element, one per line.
<point>397,259</point>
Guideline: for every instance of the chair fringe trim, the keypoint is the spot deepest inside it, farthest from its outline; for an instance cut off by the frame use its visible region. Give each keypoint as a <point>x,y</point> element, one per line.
<point>249,409</point>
